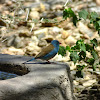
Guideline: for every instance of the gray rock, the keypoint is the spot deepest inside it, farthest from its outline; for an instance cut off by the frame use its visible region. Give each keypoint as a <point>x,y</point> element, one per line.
<point>54,2</point>
<point>96,9</point>
<point>42,43</point>
<point>47,6</point>
<point>49,15</point>
<point>10,40</point>
<point>85,30</point>
<point>40,36</point>
<point>41,81</point>
<point>59,13</point>
<point>15,41</point>
<point>18,42</point>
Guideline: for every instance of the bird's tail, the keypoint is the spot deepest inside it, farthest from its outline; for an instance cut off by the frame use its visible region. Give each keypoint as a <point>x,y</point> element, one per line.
<point>29,60</point>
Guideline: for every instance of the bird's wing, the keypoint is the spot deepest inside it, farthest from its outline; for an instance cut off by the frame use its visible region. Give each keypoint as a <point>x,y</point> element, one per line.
<point>45,51</point>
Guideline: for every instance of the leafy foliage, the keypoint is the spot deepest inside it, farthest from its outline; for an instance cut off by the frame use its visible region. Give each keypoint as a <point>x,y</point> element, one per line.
<point>69,13</point>
<point>94,42</point>
<point>83,14</point>
<point>62,50</point>
<point>79,72</point>
<point>74,56</point>
<point>78,53</point>
<point>93,17</point>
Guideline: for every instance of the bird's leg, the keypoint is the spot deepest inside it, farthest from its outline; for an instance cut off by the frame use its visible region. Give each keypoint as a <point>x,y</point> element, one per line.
<point>48,62</point>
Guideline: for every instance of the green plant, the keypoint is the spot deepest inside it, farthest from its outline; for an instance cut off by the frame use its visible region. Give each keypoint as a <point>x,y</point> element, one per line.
<point>78,52</point>
<point>83,14</point>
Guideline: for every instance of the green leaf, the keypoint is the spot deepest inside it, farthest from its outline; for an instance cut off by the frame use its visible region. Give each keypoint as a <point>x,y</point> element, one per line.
<point>68,48</point>
<point>76,47</point>
<point>74,56</point>
<point>94,42</point>
<point>79,74</point>
<point>98,22</point>
<point>81,45</point>
<point>68,13</point>
<point>94,54</point>
<point>94,67</point>
<point>94,15</point>
<point>75,20</point>
<point>99,32</point>
<point>83,14</point>
<point>98,18</point>
<point>90,61</point>
<point>88,47</point>
<point>94,18</point>
<point>96,25</point>
<point>82,55</point>
<point>91,21</point>
<point>71,13</point>
<point>62,50</point>
<point>65,14</point>
<point>80,67</point>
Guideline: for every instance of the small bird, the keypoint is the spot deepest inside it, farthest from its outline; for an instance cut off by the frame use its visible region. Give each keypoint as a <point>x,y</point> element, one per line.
<point>47,52</point>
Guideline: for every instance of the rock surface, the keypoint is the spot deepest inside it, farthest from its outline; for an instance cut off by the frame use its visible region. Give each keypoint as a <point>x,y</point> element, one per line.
<point>42,82</point>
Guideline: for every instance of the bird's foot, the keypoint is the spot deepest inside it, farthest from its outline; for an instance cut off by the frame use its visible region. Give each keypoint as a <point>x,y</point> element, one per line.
<point>48,62</point>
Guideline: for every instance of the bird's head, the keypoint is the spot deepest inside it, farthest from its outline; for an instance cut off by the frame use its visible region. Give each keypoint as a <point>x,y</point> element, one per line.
<point>55,43</point>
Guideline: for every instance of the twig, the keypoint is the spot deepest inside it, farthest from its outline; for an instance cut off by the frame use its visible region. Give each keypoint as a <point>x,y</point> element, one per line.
<point>67,2</point>
<point>32,27</point>
<point>27,14</point>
